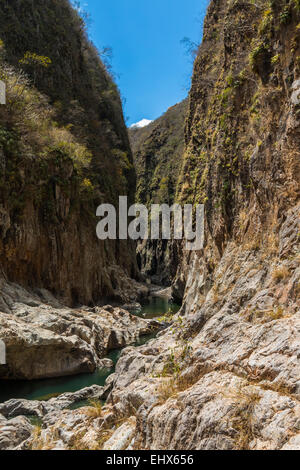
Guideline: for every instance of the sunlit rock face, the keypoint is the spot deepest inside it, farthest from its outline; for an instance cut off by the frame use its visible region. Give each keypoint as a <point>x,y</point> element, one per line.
<point>226,375</point>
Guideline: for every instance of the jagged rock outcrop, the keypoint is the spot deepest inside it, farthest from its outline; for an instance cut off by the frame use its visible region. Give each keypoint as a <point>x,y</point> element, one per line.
<point>14,432</point>
<point>238,353</point>
<point>46,339</point>
<point>234,385</point>
<point>64,150</point>
<point>17,416</point>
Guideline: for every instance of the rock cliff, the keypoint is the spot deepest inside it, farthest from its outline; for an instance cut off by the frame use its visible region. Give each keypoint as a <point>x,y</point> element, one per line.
<point>64,150</point>
<point>158,154</point>
<point>226,376</point>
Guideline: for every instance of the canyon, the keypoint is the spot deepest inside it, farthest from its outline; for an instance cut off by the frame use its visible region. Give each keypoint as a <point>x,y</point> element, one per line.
<point>223,372</point>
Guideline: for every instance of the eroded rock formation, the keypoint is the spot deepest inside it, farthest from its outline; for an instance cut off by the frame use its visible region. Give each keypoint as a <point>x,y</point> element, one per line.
<point>46,339</point>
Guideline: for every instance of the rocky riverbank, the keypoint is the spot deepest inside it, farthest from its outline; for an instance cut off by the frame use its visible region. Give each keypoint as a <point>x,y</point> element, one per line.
<point>224,375</point>
<point>46,339</point>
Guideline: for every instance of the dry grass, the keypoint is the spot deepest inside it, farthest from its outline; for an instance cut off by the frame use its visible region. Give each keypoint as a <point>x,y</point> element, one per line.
<point>106,430</point>
<point>243,422</point>
<point>184,382</point>
<point>45,442</point>
<point>170,386</point>
<point>279,388</point>
<point>252,245</point>
<point>243,220</point>
<point>215,294</point>
<point>106,433</point>
<point>167,389</point>
<point>94,410</point>
<point>271,244</point>
<point>77,443</point>
<point>265,316</point>
<point>281,273</point>
<point>277,313</point>
<point>33,119</point>
<point>105,436</point>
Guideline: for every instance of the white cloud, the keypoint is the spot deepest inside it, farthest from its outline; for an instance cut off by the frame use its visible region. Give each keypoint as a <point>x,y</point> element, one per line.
<point>142,123</point>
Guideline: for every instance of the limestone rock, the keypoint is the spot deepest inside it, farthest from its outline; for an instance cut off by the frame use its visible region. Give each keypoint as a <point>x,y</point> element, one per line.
<point>50,340</point>
<point>13,432</point>
<point>21,407</point>
<point>122,437</point>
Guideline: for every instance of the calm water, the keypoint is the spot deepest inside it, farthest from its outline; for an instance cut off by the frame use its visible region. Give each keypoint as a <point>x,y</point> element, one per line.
<point>157,306</point>
<point>42,389</point>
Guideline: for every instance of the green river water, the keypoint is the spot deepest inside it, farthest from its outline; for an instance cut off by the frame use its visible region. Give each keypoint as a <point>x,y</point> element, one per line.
<point>42,389</point>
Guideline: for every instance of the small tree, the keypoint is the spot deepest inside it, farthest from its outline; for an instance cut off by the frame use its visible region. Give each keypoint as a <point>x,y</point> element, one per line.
<point>191,47</point>
<point>35,63</point>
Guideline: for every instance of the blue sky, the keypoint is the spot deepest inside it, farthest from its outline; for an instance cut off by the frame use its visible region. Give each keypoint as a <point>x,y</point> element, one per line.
<point>151,64</point>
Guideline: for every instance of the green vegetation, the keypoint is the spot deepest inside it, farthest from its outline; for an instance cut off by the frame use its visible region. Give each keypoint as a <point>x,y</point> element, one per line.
<point>27,128</point>
<point>64,118</point>
<point>259,57</point>
<point>241,77</point>
<point>52,47</point>
<point>158,151</point>
<point>34,62</point>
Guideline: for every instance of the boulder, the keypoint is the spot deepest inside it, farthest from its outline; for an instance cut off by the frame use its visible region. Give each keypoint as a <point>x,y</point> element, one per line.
<point>49,340</point>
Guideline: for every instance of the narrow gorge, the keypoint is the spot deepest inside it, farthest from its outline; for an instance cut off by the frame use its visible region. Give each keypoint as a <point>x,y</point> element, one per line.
<point>213,363</point>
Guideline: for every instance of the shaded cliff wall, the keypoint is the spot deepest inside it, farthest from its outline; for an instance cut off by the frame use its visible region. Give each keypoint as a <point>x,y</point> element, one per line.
<point>64,149</point>
<point>226,374</point>
<point>158,152</point>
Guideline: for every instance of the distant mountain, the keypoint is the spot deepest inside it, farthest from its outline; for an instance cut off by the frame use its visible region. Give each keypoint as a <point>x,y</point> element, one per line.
<point>140,124</point>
